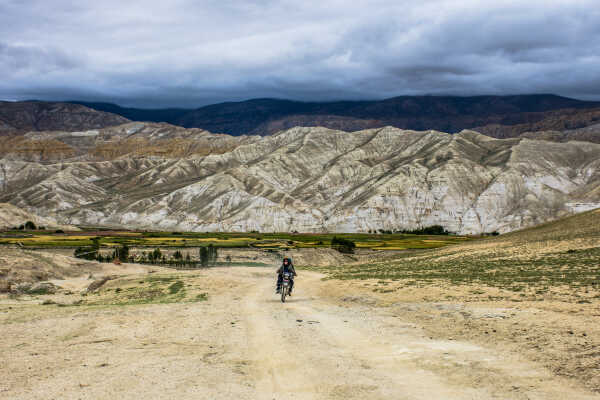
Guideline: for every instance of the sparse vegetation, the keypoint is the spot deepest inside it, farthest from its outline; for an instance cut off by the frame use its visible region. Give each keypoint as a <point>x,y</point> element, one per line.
<point>500,269</point>
<point>160,289</point>
<point>529,262</point>
<point>176,287</point>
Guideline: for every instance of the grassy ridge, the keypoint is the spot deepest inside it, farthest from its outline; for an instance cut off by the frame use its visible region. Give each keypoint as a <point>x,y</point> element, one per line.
<point>563,253</point>
<point>574,268</point>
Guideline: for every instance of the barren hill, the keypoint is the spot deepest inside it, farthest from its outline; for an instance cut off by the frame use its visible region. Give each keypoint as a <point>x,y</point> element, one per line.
<point>26,116</point>
<point>133,139</point>
<point>11,216</point>
<point>304,179</point>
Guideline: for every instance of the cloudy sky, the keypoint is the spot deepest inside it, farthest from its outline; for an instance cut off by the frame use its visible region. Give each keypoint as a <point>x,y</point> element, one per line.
<point>194,52</point>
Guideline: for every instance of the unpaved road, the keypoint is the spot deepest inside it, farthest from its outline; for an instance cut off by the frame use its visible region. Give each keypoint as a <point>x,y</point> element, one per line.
<point>243,343</point>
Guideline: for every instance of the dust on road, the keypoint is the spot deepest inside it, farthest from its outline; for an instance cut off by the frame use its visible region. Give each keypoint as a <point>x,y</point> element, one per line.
<point>244,343</point>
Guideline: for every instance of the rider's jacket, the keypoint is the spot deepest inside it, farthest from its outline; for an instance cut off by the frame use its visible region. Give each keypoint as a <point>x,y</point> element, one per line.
<point>289,268</point>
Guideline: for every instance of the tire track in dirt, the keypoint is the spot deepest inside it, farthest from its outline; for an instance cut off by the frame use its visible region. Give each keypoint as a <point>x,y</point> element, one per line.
<point>243,343</point>
<point>311,348</point>
<point>301,350</point>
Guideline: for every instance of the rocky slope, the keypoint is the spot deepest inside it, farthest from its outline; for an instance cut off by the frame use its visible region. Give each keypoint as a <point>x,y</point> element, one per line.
<point>26,116</point>
<point>11,216</point>
<point>307,179</point>
<point>569,124</point>
<point>589,133</point>
<point>133,139</point>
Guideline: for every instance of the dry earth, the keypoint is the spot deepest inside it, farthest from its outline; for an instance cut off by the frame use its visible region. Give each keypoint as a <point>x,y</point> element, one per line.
<point>236,340</point>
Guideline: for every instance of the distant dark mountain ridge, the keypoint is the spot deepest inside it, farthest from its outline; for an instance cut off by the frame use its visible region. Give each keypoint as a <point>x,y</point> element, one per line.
<point>170,115</point>
<point>444,113</point>
<point>26,116</point>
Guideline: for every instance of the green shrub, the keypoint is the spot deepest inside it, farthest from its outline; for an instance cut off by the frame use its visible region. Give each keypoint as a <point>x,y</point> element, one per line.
<point>175,287</point>
<point>343,245</point>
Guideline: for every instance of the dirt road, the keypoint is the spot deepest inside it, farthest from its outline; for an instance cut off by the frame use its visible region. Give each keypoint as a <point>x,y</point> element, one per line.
<point>243,343</point>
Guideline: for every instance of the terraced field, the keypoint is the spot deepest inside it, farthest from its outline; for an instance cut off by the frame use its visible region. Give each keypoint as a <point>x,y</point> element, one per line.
<point>45,239</point>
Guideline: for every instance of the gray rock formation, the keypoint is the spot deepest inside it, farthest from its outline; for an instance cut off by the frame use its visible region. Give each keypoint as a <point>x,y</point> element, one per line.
<point>305,179</point>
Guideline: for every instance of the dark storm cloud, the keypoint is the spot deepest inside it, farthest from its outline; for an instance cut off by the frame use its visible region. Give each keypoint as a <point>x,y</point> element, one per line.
<point>185,52</point>
<point>19,58</point>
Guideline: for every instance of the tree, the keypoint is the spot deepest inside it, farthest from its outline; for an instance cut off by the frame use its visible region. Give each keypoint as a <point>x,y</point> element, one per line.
<point>203,256</point>
<point>212,255</point>
<point>91,252</point>
<point>428,230</point>
<point>177,255</point>
<point>343,245</point>
<point>29,226</point>
<point>156,255</point>
<point>122,253</point>
<point>86,252</point>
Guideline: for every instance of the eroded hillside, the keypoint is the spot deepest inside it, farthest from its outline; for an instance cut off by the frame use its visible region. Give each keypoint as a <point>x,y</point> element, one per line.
<point>306,179</point>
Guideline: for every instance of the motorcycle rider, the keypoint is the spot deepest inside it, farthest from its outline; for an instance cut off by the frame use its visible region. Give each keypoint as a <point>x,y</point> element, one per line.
<point>286,266</point>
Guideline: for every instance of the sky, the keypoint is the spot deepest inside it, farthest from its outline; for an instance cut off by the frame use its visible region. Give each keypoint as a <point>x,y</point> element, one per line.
<point>187,53</point>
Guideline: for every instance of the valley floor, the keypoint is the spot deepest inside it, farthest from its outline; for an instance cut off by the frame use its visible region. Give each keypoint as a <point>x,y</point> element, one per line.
<point>331,340</point>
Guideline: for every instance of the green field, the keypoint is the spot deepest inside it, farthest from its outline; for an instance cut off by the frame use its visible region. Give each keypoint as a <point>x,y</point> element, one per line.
<point>46,239</point>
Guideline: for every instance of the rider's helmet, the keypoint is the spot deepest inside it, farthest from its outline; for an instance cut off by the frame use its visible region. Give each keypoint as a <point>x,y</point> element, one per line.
<point>286,260</point>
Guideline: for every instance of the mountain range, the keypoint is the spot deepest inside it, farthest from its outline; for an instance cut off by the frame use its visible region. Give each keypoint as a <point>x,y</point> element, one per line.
<point>18,117</point>
<point>496,116</point>
<point>159,176</point>
<point>499,116</point>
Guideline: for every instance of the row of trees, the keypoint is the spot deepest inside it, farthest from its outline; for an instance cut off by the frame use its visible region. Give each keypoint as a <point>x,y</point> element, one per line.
<point>28,226</point>
<point>427,230</point>
<point>343,245</point>
<point>207,256</point>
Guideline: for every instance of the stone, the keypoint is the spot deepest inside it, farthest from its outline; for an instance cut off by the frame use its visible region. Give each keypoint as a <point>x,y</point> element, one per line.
<point>42,288</point>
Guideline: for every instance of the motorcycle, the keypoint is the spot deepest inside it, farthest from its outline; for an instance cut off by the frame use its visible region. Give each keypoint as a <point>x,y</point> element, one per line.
<point>286,284</point>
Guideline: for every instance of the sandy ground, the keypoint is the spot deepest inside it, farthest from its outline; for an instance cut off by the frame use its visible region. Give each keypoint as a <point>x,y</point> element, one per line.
<point>244,343</point>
